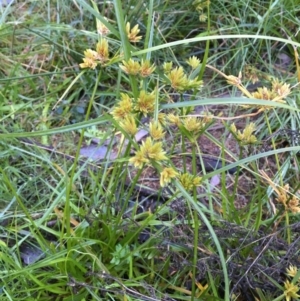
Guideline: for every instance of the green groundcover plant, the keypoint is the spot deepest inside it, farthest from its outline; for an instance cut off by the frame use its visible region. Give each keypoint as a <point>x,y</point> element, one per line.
<point>86,227</point>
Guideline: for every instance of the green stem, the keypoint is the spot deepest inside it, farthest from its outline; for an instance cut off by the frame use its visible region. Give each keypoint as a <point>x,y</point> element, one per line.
<point>205,57</point>
<point>67,212</point>
<point>125,43</point>
<point>196,227</point>
<point>213,236</point>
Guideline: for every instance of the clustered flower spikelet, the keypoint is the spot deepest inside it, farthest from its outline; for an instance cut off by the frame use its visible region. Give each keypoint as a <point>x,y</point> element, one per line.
<point>101,28</point>
<point>123,108</point>
<point>245,137</point>
<point>192,124</point>
<point>161,118</point>
<point>189,181</point>
<point>251,73</point>
<point>290,290</point>
<point>145,103</point>
<point>234,80</point>
<point>290,202</point>
<point>179,80</point>
<point>129,125</point>
<point>174,119</point>
<point>292,271</point>
<point>277,93</point>
<point>167,174</point>
<point>146,68</point>
<point>156,131</point>
<point>102,51</point>
<point>264,93</point>
<point>193,61</point>
<point>89,60</point>
<point>131,67</point>
<point>284,197</point>
<point>200,5</point>
<point>148,151</point>
<point>167,67</point>
<point>281,89</point>
<point>92,58</point>
<point>202,18</point>
<point>132,33</point>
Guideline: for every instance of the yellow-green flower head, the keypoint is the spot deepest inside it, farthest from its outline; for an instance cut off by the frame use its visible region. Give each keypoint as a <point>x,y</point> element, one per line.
<point>192,124</point>
<point>132,34</point>
<point>138,160</point>
<point>280,88</point>
<point>149,151</point>
<point>123,109</point>
<point>153,150</point>
<point>167,175</point>
<point>131,67</point>
<point>90,59</point>
<point>129,125</point>
<point>174,119</point>
<point>193,61</point>
<point>246,136</point>
<point>293,205</point>
<point>264,93</point>
<point>161,118</point>
<point>145,103</point>
<point>202,18</point>
<point>189,181</point>
<point>178,79</point>
<point>156,131</point>
<point>290,290</point>
<point>102,51</point>
<point>234,80</point>
<point>101,28</point>
<point>167,67</point>
<point>146,68</point>
<point>292,271</point>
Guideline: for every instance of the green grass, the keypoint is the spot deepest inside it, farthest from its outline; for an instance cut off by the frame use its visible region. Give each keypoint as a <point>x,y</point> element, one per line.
<point>72,229</point>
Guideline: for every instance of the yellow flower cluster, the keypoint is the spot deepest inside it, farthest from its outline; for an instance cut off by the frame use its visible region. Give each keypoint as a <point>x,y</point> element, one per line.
<point>132,67</point>
<point>200,6</point>
<point>191,126</point>
<point>288,200</point>
<point>156,131</point>
<point>129,125</point>
<point>284,196</point>
<point>148,151</point>
<point>193,61</point>
<point>277,93</point>
<point>129,111</point>
<point>101,28</point>
<point>189,181</point>
<point>145,103</point>
<point>167,175</point>
<point>246,136</point>
<point>132,33</point>
<point>178,79</point>
<point>100,56</point>
<point>124,108</point>
<point>92,58</point>
<point>128,106</point>
<point>291,289</point>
